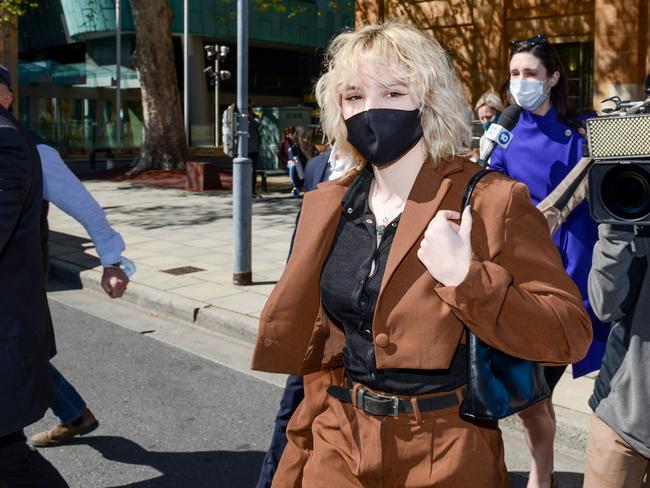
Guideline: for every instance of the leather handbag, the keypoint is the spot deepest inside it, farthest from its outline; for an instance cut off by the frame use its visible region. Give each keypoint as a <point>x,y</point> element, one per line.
<point>498,384</point>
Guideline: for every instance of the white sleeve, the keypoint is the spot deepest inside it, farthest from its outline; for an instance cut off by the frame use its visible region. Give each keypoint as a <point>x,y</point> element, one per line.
<point>62,188</point>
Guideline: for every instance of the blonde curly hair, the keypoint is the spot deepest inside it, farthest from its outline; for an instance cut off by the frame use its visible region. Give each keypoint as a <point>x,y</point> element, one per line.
<point>410,57</point>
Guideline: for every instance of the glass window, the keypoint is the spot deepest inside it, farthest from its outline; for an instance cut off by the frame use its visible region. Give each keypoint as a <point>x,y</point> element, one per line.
<point>578,60</point>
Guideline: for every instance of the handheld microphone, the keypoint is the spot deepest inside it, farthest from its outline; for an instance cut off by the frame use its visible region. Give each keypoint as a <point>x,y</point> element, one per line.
<point>499,134</point>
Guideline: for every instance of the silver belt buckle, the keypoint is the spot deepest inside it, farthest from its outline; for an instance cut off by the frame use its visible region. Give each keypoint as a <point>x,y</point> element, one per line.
<point>392,399</point>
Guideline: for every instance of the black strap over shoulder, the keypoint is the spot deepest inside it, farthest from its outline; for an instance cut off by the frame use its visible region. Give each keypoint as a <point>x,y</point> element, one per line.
<point>467,196</point>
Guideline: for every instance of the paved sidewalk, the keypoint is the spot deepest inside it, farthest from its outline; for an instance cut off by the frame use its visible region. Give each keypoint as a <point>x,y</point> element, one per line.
<point>168,229</point>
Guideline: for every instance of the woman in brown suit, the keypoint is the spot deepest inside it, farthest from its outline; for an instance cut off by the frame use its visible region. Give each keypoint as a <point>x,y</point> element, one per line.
<point>382,280</point>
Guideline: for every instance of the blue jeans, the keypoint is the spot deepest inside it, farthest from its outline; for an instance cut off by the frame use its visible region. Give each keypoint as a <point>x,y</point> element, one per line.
<point>67,404</point>
<point>295,179</point>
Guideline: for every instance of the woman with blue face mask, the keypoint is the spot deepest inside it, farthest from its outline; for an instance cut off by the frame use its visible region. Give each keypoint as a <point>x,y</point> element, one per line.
<point>488,108</point>
<point>546,144</point>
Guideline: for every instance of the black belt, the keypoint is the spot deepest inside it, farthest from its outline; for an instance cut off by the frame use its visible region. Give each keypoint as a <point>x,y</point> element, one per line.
<point>390,405</point>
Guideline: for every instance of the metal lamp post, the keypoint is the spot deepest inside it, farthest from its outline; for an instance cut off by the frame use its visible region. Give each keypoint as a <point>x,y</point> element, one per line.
<point>242,167</point>
<point>186,77</point>
<point>216,54</point>
<point>118,73</point>
<point>220,75</point>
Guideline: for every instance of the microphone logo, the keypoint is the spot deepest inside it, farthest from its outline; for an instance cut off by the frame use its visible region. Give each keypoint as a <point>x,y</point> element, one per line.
<point>499,134</point>
<point>504,138</point>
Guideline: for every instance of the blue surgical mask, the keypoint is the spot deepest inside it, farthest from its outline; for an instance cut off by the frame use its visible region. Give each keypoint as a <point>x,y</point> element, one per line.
<point>529,94</point>
<point>488,123</point>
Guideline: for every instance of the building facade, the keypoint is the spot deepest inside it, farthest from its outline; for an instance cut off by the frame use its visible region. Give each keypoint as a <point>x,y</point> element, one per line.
<point>65,54</point>
<point>67,63</point>
<point>603,44</point>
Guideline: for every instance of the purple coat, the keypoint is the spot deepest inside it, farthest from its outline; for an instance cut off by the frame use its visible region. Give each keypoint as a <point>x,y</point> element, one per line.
<point>542,152</point>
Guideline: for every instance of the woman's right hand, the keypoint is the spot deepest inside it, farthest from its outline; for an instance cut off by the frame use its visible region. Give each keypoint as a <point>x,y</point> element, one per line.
<point>446,250</point>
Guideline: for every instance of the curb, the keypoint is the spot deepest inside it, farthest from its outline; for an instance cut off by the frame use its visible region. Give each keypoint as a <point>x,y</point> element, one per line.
<point>191,312</point>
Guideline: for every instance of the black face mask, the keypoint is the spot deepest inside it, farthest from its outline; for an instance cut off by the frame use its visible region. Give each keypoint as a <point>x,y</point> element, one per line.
<point>382,135</point>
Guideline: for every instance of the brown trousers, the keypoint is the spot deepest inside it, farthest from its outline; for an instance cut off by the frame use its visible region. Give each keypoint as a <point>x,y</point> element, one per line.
<point>334,444</point>
<point>611,462</point>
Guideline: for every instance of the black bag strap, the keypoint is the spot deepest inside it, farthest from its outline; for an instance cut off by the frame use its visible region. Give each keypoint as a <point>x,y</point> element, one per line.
<point>467,196</point>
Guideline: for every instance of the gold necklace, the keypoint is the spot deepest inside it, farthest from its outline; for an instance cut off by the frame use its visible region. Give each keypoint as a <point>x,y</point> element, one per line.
<point>386,216</point>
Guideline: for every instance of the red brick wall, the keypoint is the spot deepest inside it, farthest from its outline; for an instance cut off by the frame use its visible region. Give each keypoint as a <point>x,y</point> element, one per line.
<point>477,33</point>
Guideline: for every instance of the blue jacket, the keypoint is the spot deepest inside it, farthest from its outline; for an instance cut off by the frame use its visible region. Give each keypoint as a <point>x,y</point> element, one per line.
<point>542,152</point>
<point>315,170</point>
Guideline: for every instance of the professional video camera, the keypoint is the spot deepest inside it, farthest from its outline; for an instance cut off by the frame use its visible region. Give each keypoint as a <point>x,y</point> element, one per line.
<point>619,179</point>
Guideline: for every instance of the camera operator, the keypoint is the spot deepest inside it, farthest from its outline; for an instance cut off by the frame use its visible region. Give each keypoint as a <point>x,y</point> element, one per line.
<point>618,450</point>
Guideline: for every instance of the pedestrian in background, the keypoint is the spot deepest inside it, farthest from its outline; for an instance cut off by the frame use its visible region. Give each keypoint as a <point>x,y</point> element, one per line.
<point>62,188</point>
<point>254,145</point>
<point>26,334</point>
<point>488,108</point>
<point>284,145</point>
<point>546,144</point>
<point>382,280</point>
<point>301,151</point>
<point>285,154</point>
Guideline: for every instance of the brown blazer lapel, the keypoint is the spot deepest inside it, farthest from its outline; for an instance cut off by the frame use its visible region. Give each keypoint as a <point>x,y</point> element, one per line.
<point>427,194</point>
<point>319,217</point>
<point>289,318</point>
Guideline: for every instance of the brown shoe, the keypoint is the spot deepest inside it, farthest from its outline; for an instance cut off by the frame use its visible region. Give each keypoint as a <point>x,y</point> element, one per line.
<point>61,433</point>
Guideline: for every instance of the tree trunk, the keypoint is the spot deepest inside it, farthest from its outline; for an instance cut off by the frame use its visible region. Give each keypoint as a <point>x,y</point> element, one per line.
<point>163,145</point>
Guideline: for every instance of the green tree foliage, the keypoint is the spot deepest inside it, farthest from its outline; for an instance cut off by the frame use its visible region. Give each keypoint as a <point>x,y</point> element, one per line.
<point>293,8</point>
<point>10,9</point>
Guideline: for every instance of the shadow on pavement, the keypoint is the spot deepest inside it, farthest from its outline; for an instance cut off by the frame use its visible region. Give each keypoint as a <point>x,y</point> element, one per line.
<point>518,479</point>
<point>56,282</point>
<point>75,253</point>
<point>81,243</point>
<point>235,469</point>
<point>204,208</point>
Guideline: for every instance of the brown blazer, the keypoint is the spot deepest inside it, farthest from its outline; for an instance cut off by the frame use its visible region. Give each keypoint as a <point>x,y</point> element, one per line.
<point>516,296</point>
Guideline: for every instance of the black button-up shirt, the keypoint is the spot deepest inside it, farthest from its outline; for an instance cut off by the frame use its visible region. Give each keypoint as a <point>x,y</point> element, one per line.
<point>350,284</point>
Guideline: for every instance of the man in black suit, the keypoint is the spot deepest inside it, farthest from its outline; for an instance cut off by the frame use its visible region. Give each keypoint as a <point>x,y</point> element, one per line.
<point>26,335</point>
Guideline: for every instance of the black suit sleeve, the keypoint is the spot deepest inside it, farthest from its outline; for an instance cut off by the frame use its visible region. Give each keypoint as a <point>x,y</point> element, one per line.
<point>15,177</point>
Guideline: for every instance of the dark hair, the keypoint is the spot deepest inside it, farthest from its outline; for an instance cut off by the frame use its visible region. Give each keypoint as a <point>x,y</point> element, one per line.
<point>560,92</point>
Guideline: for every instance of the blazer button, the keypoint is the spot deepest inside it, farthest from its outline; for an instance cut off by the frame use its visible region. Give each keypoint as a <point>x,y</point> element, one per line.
<point>382,340</point>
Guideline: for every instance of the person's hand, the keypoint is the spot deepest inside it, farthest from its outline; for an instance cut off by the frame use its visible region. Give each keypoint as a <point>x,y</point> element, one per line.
<point>446,249</point>
<point>114,281</point>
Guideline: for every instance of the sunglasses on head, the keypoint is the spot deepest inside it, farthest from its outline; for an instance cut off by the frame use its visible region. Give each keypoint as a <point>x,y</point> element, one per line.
<point>532,42</point>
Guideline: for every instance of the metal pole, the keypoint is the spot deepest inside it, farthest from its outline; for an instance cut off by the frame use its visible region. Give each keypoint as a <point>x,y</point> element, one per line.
<point>186,91</point>
<point>118,74</point>
<point>217,80</point>
<point>242,167</point>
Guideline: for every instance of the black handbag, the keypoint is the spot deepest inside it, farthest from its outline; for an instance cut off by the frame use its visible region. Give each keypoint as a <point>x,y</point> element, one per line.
<point>498,385</point>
